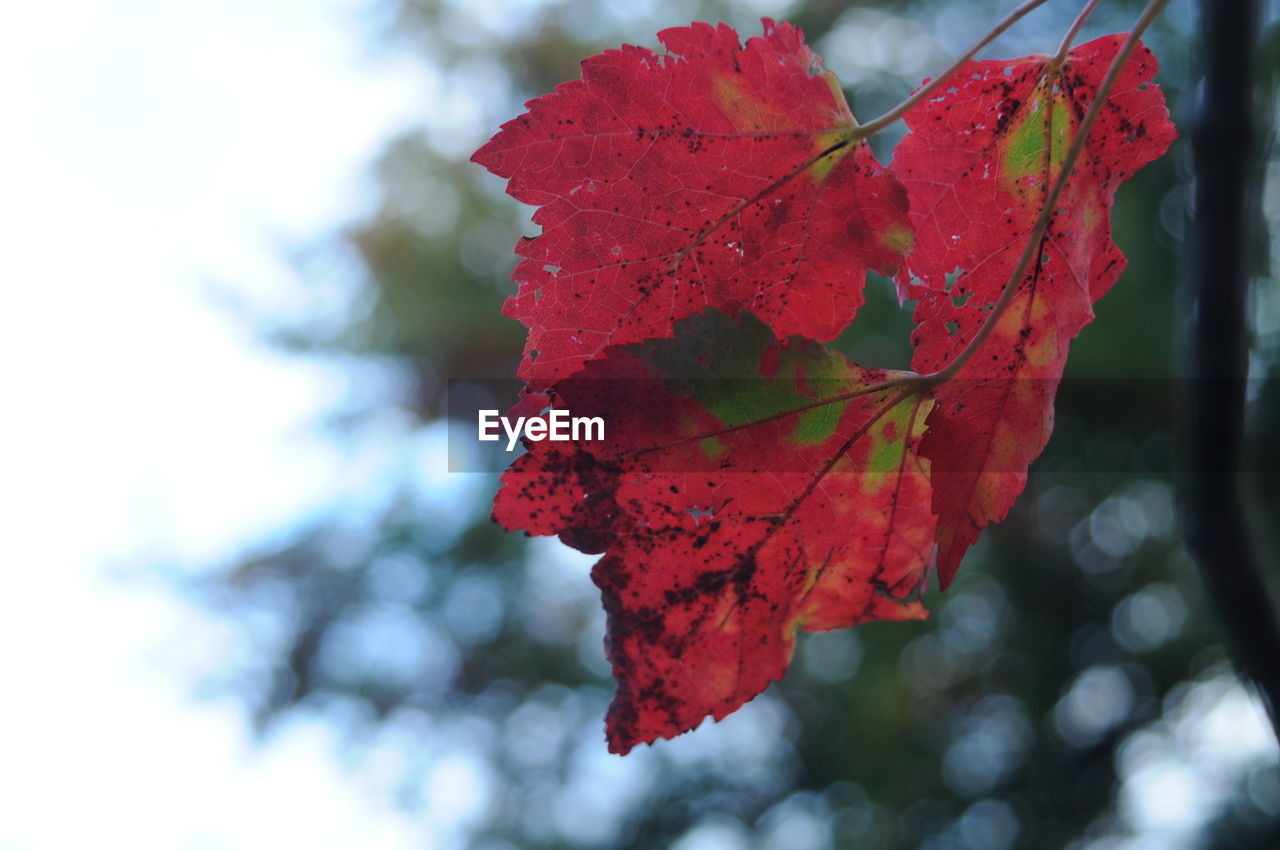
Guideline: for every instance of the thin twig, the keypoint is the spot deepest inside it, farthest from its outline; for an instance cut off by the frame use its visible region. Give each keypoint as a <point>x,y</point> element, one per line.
<point>873,127</point>
<point>1065,47</point>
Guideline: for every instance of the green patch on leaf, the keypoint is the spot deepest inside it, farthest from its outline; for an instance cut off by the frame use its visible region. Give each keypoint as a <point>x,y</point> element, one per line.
<point>1024,147</point>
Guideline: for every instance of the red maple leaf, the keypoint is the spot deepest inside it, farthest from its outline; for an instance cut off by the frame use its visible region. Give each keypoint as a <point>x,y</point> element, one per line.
<point>716,176</point>
<point>747,488</point>
<point>978,164</point>
<point>751,487</point>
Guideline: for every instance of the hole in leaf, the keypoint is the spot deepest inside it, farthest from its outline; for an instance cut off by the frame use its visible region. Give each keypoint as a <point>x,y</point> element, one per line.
<point>699,513</point>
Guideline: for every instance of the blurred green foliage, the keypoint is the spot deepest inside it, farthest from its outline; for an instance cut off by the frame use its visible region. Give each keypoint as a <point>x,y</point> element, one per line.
<point>1008,719</point>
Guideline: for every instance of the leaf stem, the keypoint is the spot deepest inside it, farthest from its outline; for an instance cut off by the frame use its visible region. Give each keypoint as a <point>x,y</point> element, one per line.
<point>871,128</point>
<point>1065,47</point>
<point>1033,248</point>
<point>909,380</point>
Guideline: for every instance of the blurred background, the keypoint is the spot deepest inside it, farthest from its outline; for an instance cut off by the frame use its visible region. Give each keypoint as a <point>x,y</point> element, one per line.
<point>245,604</point>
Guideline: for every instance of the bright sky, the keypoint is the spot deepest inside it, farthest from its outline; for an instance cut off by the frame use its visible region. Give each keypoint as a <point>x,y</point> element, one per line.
<point>149,149</point>
<point>152,148</point>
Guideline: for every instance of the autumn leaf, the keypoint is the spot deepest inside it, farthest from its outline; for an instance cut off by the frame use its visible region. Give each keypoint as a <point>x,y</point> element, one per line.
<point>977,164</point>
<point>715,176</point>
<point>748,488</point>
<point>753,482</point>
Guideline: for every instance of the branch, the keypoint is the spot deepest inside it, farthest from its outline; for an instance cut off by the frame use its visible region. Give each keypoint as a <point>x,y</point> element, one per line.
<point>1225,152</point>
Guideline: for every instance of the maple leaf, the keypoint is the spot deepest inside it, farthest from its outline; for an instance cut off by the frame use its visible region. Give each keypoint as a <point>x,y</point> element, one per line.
<point>755,483</point>
<point>716,176</point>
<point>978,164</point>
<point>748,488</point>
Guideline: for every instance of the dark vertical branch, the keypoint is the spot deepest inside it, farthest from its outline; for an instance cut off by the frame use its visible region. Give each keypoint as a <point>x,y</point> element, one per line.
<point>1225,150</point>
